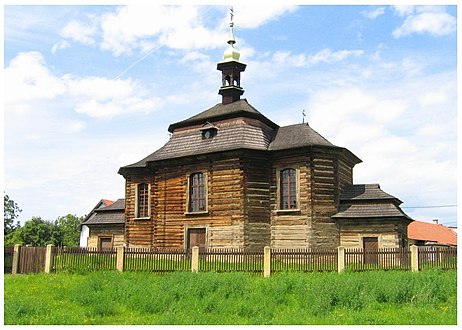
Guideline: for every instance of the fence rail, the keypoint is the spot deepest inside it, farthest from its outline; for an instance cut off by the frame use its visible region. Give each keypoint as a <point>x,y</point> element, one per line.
<point>305,260</point>
<point>267,261</point>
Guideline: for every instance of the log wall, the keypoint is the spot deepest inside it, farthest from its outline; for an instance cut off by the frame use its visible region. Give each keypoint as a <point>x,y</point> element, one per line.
<point>291,228</point>
<point>388,231</point>
<point>114,231</point>
<point>243,204</point>
<point>170,219</point>
<point>257,203</point>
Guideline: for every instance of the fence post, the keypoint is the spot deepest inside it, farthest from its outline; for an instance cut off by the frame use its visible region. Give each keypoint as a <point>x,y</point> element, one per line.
<point>49,259</point>
<point>16,254</point>
<point>414,258</point>
<point>341,259</point>
<point>267,261</point>
<point>120,258</point>
<point>195,259</point>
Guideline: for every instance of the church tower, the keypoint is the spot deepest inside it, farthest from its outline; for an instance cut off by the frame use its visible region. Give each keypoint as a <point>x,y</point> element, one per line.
<point>231,69</point>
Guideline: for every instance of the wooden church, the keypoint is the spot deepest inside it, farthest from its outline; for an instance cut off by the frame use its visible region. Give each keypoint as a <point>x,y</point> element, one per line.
<point>229,177</point>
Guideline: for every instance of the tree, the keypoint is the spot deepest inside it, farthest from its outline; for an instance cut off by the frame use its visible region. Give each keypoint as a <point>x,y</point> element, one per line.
<point>10,213</point>
<point>68,226</point>
<point>38,232</point>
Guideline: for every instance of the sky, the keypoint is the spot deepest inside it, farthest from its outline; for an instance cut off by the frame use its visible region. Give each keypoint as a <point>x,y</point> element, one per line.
<point>88,89</point>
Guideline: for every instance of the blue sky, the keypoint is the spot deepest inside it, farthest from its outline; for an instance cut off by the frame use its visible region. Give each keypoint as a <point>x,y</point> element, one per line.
<point>88,89</point>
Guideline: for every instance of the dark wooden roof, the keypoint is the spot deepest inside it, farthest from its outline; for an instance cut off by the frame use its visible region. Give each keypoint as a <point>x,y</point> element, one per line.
<point>107,218</point>
<point>295,136</point>
<point>370,191</point>
<point>183,144</point>
<point>262,135</point>
<point>368,201</point>
<point>369,210</point>
<point>112,214</point>
<point>118,205</point>
<point>224,111</point>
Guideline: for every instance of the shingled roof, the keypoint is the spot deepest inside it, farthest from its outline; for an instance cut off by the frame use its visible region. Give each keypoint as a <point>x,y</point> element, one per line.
<point>112,214</point>
<point>224,111</point>
<point>370,191</point>
<point>368,201</point>
<point>294,136</point>
<point>118,205</point>
<point>262,135</point>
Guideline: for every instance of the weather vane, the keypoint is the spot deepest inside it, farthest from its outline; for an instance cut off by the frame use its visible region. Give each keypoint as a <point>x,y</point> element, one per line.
<point>231,13</point>
<point>304,115</point>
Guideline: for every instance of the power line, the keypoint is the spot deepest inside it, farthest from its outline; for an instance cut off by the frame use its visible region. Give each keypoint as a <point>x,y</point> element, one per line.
<point>427,207</point>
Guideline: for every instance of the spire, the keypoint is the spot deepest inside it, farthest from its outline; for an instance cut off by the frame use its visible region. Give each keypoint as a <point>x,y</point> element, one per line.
<point>231,53</point>
<point>231,69</point>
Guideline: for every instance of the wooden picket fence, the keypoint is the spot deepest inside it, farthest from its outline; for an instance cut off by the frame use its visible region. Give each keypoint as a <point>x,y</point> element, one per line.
<point>304,260</point>
<point>438,256</point>
<point>382,259</point>
<point>231,260</point>
<point>33,260</point>
<point>155,260</point>
<point>77,259</point>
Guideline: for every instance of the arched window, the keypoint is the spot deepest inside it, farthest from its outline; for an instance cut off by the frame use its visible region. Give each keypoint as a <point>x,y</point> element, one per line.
<point>197,198</point>
<point>143,200</point>
<point>228,80</point>
<point>288,189</point>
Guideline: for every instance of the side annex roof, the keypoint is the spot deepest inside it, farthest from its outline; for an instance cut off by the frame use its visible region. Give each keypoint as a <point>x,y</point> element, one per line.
<point>368,201</point>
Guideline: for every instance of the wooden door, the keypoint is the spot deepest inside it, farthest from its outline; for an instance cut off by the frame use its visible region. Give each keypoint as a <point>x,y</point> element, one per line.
<point>370,248</point>
<point>105,243</point>
<point>196,237</point>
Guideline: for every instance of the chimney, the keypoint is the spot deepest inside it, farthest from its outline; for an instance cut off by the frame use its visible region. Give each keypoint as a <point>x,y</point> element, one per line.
<point>435,221</point>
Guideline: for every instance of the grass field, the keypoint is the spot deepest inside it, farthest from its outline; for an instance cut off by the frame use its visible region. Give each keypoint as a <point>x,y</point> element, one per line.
<point>232,298</point>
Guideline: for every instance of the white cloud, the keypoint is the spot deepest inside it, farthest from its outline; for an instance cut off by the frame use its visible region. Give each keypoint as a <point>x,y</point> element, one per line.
<point>285,59</point>
<point>328,56</point>
<point>80,32</point>
<point>373,14</point>
<point>405,134</point>
<point>253,16</point>
<point>178,27</point>
<point>63,44</point>
<point>30,81</point>
<point>425,19</point>
<point>404,10</point>
<point>27,79</point>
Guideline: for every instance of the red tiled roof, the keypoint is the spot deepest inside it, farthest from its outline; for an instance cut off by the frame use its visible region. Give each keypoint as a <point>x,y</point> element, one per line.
<point>107,202</point>
<point>425,231</point>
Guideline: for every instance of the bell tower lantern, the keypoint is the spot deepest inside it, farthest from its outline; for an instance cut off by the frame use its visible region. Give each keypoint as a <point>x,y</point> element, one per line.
<point>231,69</point>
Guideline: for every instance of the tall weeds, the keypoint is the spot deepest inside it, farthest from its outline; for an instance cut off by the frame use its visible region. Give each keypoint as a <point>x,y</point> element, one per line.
<point>232,298</point>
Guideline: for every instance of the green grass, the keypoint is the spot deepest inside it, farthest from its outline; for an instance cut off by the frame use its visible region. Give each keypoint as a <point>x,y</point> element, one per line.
<point>232,298</point>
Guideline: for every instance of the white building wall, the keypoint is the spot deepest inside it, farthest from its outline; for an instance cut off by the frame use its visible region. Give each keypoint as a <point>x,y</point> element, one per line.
<point>84,234</point>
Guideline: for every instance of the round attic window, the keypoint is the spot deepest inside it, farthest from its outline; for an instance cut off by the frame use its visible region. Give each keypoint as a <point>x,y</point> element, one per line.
<point>208,133</point>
